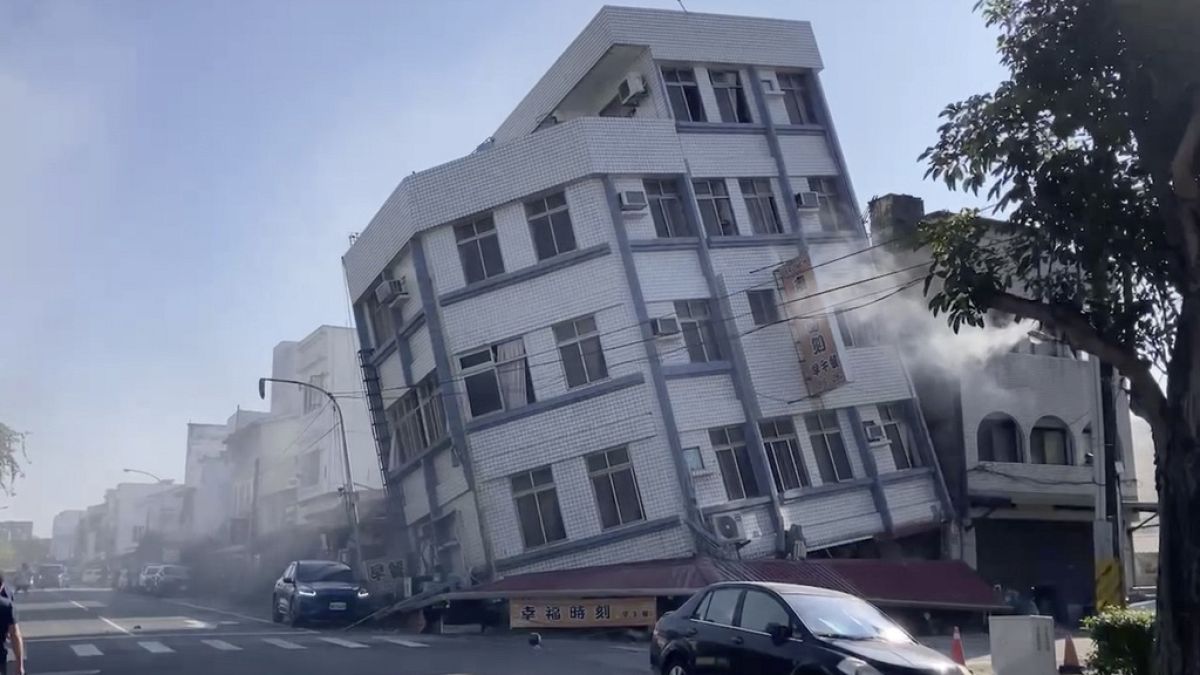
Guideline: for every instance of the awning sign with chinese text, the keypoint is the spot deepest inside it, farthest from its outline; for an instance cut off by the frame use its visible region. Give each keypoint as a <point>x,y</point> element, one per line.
<point>811,329</point>
<point>580,613</point>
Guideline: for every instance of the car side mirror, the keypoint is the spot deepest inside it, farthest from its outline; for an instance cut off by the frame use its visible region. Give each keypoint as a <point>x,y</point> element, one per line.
<point>289,580</point>
<point>779,633</point>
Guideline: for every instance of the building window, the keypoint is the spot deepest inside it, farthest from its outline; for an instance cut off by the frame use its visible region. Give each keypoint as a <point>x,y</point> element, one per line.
<point>998,440</point>
<point>497,377</point>
<point>579,345</point>
<point>537,507</point>
<point>693,459</point>
<point>418,421</point>
<point>734,459</point>
<point>899,436</point>
<point>699,334</point>
<point>550,223</point>
<point>731,98</point>
<point>684,94</point>
<point>616,487</point>
<point>716,209</point>
<point>139,531</point>
<point>763,306</point>
<point>1049,443</point>
<point>479,249</point>
<point>310,468</point>
<point>856,330</point>
<point>667,209</point>
<point>797,97</point>
<point>825,434</point>
<point>314,399</point>
<point>783,452</point>
<point>382,326</point>
<point>833,207</point>
<point>760,202</point>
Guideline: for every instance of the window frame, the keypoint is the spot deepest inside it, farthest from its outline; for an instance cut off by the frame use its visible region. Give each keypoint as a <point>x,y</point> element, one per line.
<point>738,452</point>
<point>762,311</point>
<point>711,195</point>
<point>738,592</point>
<point>832,203</point>
<point>535,491</point>
<point>731,92</point>
<point>414,417</point>
<point>314,399</point>
<point>492,366</point>
<point>789,617</point>
<point>798,92</point>
<point>382,321</point>
<point>577,340</point>
<point>1040,430</point>
<point>539,214</point>
<point>761,205</point>
<point>688,93</point>
<point>607,474</point>
<point>473,242</point>
<point>817,425</point>
<point>777,437</point>
<point>1002,420</point>
<point>666,207</point>
<point>892,418</point>
<point>699,331</point>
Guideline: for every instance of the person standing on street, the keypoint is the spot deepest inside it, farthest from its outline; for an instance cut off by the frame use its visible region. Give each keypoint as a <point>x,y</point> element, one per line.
<point>9,629</point>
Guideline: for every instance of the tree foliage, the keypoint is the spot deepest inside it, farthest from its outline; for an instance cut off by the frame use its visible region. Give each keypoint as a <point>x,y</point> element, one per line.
<point>11,454</point>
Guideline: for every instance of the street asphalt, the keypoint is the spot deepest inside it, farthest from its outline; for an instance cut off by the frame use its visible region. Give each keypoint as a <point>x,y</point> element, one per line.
<point>82,631</point>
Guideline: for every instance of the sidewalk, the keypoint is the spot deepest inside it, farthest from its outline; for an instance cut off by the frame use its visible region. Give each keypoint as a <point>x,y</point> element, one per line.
<point>977,648</point>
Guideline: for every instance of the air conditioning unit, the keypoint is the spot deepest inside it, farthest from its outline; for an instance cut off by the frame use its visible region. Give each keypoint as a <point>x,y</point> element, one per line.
<point>664,326</point>
<point>390,291</point>
<point>729,527</point>
<point>873,431</point>
<point>807,200</point>
<point>633,200</point>
<point>631,90</point>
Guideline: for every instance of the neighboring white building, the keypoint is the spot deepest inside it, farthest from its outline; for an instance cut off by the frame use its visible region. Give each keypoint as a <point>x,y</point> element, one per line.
<point>1016,430</point>
<point>63,534</point>
<point>208,474</point>
<point>126,512</point>
<point>574,349</point>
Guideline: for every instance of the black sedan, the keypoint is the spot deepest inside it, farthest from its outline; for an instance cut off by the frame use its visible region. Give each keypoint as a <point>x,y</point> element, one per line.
<point>782,629</point>
<point>51,576</point>
<point>318,590</point>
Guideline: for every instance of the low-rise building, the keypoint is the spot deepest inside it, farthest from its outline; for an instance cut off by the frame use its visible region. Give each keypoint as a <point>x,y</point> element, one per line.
<point>63,533</point>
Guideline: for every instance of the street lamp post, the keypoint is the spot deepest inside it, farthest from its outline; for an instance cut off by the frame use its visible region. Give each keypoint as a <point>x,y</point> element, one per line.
<point>351,507</point>
<point>146,473</point>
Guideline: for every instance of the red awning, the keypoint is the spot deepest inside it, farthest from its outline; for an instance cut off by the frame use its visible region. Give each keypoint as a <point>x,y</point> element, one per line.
<point>932,584</point>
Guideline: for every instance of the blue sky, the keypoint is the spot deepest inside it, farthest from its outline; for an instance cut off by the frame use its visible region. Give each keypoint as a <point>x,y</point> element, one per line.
<point>178,181</point>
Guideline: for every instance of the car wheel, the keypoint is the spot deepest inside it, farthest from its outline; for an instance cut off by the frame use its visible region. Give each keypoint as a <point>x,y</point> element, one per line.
<point>676,666</point>
<point>276,615</point>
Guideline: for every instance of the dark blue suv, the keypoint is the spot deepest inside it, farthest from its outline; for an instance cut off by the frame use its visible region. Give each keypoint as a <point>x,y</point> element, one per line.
<point>781,629</point>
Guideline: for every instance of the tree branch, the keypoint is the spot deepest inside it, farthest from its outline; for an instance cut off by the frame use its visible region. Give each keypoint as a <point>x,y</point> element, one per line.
<point>1145,394</point>
<point>1183,170</point>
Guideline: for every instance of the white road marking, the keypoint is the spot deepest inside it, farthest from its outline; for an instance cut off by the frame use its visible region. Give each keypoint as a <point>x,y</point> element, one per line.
<point>343,643</point>
<point>222,645</point>
<point>282,644</point>
<point>72,672</point>
<point>637,650</point>
<point>400,641</point>
<point>196,623</point>
<point>162,636</point>
<point>115,625</point>
<point>155,647</point>
<point>221,611</point>
<point>38,606</point>
<point>86,650</point>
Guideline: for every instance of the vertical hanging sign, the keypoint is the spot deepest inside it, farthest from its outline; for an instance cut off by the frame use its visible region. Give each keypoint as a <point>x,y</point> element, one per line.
<point>812,331</point>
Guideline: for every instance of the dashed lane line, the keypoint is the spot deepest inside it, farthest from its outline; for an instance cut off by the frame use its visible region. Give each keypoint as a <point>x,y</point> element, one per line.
<point>401,641</point>
<point>155,647</point>
<point>348,644</point>
<point>282,644</point>
<point>226,612</point>
<point>221,645</point>
<point>86,650</point>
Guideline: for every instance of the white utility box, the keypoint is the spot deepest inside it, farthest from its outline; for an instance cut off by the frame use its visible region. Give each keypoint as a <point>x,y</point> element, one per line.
<point>1023,645</point>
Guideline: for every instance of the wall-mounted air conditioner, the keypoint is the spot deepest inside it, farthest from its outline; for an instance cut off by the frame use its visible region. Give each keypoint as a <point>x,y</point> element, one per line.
<point>390,291</point>
<point>633,200</point>
<point>807,201</point>
<point>729,527</point>
<point>873,431</point>
<point>664,326</point>
<point>631,90</point>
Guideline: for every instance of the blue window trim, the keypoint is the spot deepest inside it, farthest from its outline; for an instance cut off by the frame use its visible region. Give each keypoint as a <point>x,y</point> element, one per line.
<point>572,396</point>
<point>611,536</point>
<point>380,355</point>
<point>868,462</point>
<point>906,474</point>
<point>534,271</point>
<point>720,128</point>
<point>800,129</point>
<point>737,505</point>
<point>406,467</point>
<point>406,331</point>
<point>665,244</point>
<point>685,370</point>
<point>826,489</point>
<point>740,241</point>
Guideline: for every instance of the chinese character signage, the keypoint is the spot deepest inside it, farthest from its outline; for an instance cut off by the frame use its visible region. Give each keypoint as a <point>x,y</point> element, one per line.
<point>386,576</point>
<point>811,329</point>
<point>580,613</point>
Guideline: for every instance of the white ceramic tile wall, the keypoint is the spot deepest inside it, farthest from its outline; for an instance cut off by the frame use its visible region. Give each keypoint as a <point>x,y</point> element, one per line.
<point>670,275</point>
<point>728,155</point>
<point>422,353</point>
<point>836,518</point>
<point>701,403</point>
<point>416,497</point>
<point>912,500</point>
<point>707,483</point>
<point>391,379</point>
<point>807,156</point>
<point>470,538</point>
<point>451,481</point>
<point>673,543</point>
<point>637,224</point>
<point>775,105</point>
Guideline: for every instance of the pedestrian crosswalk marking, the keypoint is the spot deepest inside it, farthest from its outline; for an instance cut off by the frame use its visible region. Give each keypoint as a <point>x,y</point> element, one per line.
<point>401,641</point>
<point>343,643</point>
<point>282,644</point>
<point>155,647</point>
<point>86,650</point>
<point>222,645</point>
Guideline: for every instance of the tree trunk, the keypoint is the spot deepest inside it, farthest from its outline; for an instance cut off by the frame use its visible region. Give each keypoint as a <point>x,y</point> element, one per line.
<point>1178,478</point>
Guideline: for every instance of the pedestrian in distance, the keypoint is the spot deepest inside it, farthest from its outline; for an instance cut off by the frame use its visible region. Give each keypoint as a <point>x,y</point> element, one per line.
<point>10,630</point>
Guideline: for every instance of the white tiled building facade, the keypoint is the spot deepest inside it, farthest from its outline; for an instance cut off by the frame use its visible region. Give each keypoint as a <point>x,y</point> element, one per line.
<point>528,414</point>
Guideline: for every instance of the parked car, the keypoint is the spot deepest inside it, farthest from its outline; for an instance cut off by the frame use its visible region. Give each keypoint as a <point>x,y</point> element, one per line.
<point>51,576</point>
<point>143,579</point>
<point>318,590</point>
<point>784,629</point>
<point>169,579</point>
<point>92,576</point>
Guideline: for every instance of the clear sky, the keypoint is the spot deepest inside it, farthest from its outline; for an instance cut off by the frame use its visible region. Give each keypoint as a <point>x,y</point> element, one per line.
<point>178,181</point>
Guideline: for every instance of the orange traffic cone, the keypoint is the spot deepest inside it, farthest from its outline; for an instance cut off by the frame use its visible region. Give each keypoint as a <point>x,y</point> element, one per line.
<point>1070,662</point>
<point>956,649</point>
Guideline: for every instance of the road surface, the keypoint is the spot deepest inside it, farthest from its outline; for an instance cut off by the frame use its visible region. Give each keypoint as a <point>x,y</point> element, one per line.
<point>82,631</point>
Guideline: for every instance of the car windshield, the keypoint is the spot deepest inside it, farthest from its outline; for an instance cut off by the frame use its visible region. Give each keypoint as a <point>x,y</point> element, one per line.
<point>324,572</point>
<point>174,571</point>
<point>844,618</point>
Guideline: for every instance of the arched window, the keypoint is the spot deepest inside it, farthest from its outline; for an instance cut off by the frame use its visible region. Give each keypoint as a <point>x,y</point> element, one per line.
<point>1050,442</point>
<point>999,440</point>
